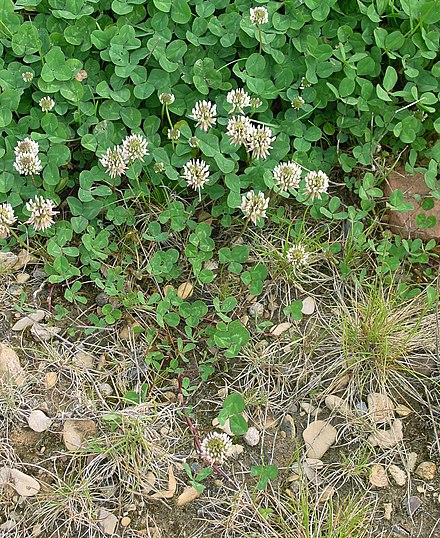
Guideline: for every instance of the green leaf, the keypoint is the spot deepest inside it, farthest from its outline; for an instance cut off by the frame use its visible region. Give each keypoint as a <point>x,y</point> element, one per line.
<point>180,11</point>
<point>390,78</point>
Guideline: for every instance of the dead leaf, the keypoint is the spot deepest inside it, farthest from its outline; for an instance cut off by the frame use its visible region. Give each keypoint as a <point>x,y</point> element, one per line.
<point>24,485</point>
<point>379,476</point>
<point>188,495</point>
<point>185,290</point>
<point>276,330</point>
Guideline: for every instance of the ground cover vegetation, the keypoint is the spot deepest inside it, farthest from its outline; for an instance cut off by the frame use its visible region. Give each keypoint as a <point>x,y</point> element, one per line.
<point>203,189</point>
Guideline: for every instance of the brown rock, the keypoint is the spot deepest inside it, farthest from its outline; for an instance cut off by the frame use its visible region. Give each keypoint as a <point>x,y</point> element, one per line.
<point>75,431</point>
<point>411,185</point>
<point>378,476</point>
<point>380,407</point>
<point>426,470</point>
<point>318,437</point>
<point>388,438</point>
<point>10,368</point>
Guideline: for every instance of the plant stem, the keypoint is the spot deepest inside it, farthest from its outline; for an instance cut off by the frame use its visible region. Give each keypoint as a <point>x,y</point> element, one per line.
<point>27,247</point>
<point>261,38</point>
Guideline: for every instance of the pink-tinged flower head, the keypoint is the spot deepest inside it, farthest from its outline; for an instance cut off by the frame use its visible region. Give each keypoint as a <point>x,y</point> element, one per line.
<point>196,173</point>
<point>216,447</point>
<point>259,141</point>
<point>205,114</point>
<point>287,175</point>
<point>114,161</point>
<point>41,213</point>
<point>7,219</point>
<point>316,184</point>
<point>254,206</point>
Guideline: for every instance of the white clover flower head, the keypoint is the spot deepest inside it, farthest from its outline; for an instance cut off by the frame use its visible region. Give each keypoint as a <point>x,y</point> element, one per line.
<point>27,146</point>
<point>239,99</point>
<point>259,141</point>
<point>41,213</point>
<point>304,83</point>
<point>134,147</point>
<point>27,164</point>
<point>27,76</point>
<point>256,102</point>
<point>196,173</point>
<point>114,161</point>
<point>7,219</point>
<point>159,168</point>
<point>254,206</point>
<point>205,114</point>
<point>166,98</point>
<point>239,128</point>
<point>216,447</point>
<point>46,103</point>
<point>316,183</point>
<point>297,102</point>
<point>259,15</point>
<point>173,134</point>
<point>81,75</point>
<point>287,175</point>
<point>193,142</point>
<point>297,256</point>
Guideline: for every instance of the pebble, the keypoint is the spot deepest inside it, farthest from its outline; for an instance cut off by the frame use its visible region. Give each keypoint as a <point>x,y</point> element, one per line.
<point>185,290</point>
<point>74,432</point>
<point>252,436</point>
<point>378,476</point>
<point>318,437</point>
<point>256,309</point>
<point>411,461</point>
<point>308,306</point>
<point>326,494</point>
<point>106,389</point>
<point>380,407</point>
<point>412,504</point>
<point>10,367</point>
<point>125,521</point>
<point>339,405</point>
<point>288,427</point>
<point>387,509</point>
<point>85,360</point>
<point>403,410</point>
<point>39,421</point>
<point>22,278</point>
<point>24,485</point>
<point>101,299</point>
<point>107,521</point>
<point>398,474</point>
<point>426,470</point>
<point>50,380</point>
<point>307,407</point>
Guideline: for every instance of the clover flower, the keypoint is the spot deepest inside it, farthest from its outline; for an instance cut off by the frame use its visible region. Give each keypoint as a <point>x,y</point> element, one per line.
<point>297,102</point>
<point>239,129</point>
<point>297,256</point>
<point>259,140</point>
<point>27,164</point>
<point>173,134</point>
<point>27,146</point>
<point>216,447</point>
<point>304,83</point>
<point>254,206</point>
<point>196,173</point>
<point>114,161</point>
<point>239,99</point>
<point>287,175</point>
<point>259,15</point>
<point>134,147</point>
<point>27,76</point>
<point>166,98</point>
<point>256,102</point>
<point>316,183</point>
<point>204,112</point>
<point>81,75</point>
<point>159,168</point>
<point>7,219</point>
<point>41,213</point>
<point>194,142</point>
<point>46,103</point>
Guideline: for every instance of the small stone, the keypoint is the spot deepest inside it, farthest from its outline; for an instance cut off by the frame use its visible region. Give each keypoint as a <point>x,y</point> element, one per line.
<point>10,368</point>
<point>125,521</point>
<point>185,290</point>
<point>24,485</point>
<point>39,421</point>
<point>426,470</point>
<point>75,431</point>
<point>107,521</point>
<point>8,260</point>
<point>307,407</point>
<point>308,306</point>
<point>310,467</point>
<point>339,405</point>
<point>236,451</point>
<point>412,504</point>
<point>420,489</point>
<point>85,360</point>
<point>319,436</point>
<point>380,407</point>
<point>403,410</point>
<point>326,494</point>
<point>252,436</point>
<point>411,461</point>
<point>398,474</point>
<point>101,299</point>
<point>387,509</point>
<point>50,380</point>
<point>106,389</point>
<point>279,329</point>
<point>22,278</point>
<point>256,309</point>
<point>378,476</point>
<point>388,438</point>
<point>361,408</point>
